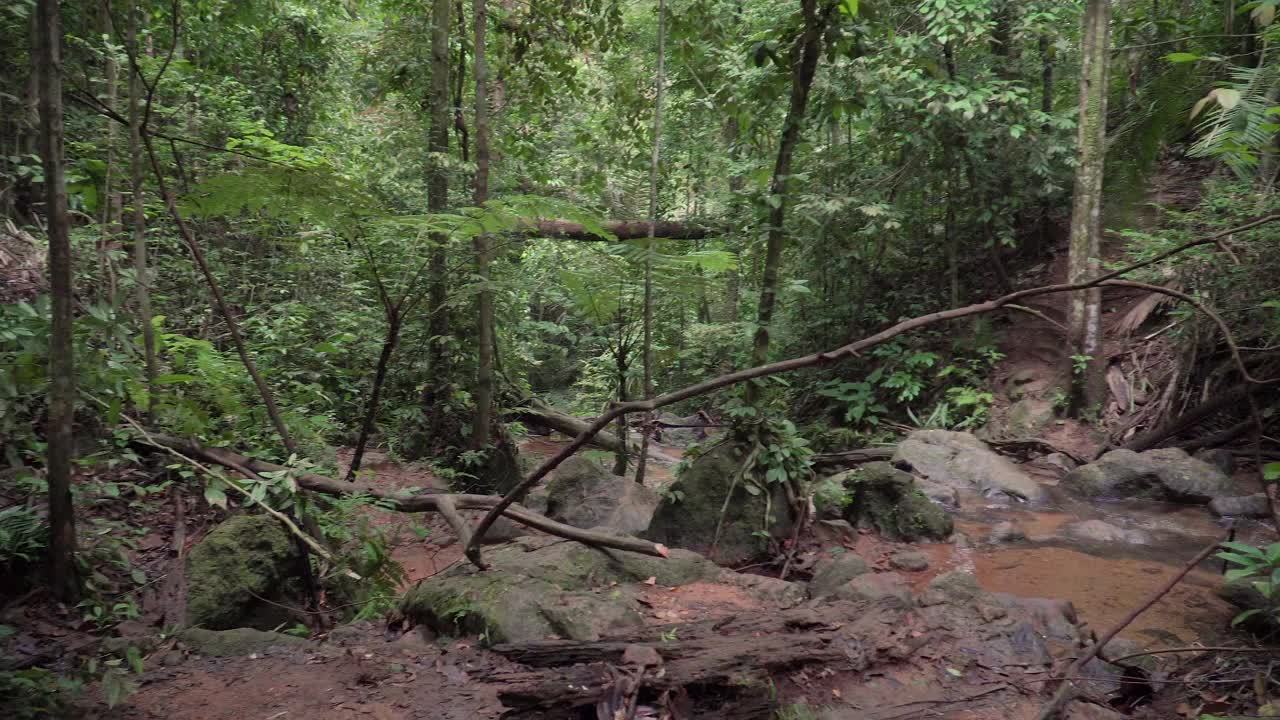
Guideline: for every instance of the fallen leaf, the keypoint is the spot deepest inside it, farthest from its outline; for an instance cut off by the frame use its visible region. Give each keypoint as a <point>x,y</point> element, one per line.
<point>653,580</point>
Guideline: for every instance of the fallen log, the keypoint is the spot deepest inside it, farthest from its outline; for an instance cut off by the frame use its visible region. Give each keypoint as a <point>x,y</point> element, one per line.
<point>729,661</point>
<point>850,458</point>
<point>426,501</point>
<point>622,230</point>
<point>562,422</point>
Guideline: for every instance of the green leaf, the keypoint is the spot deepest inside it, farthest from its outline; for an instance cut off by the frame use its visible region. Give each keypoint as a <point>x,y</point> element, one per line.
<point>1244,616</point>
<point>1245,548</point>
<point>1181,57</point>
<point>1247,561</point>
<point>1237,573</point>
<point>215,496</point>
<point>134,657</point>
<point>138,576</point>
<point>849,8</point>
<point>174,379</point>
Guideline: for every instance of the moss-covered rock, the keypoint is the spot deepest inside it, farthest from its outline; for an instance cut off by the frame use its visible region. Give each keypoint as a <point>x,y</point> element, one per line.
<point>236,642</point>
<point>541,587</point>
<point>886,498</point>
<point>244,557</point>
<point>690,511</point>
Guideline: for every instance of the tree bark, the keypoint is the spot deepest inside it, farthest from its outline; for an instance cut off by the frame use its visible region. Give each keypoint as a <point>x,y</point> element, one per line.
<point>647,350</point>
<point>63,576</point>
<point>484,299</point>
<point>137,175</point>
<point>804,64</point>
<point>375,394</point>
<point>1085,309</point>
<point>438,359</point>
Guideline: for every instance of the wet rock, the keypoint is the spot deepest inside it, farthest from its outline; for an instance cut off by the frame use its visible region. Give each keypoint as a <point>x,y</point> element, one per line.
<point>956,586</point>
<point>1163,474</point>
<point>888,587</point>
<point>1222,459</point>
<point>909,560</point>
<point>1059,461</point>
<point>962,461</point>
<point>834,531</point>
<point>237,642</point>
<point>769,590</point>
<point>1007,532</point>
<point>244,557</point>
<point>1255,506</point>
<point>831,573</point>
<point>542,587</point>
<point>687,516</point>
<point>944,495</point>
<point>583,494</point>
<point>1100,532</point>
<point>886,498</point>
<point>1026,418</point>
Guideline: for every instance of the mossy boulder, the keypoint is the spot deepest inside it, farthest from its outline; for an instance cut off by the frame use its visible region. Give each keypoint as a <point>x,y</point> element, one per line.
<point>1161,474</point>
<point>543,587</point>
<point>692,507</point>
<point>887,499</point>
<point>236,642</point>
<point>244,559</point>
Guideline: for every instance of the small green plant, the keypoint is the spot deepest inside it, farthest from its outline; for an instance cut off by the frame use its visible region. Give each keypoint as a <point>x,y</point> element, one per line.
<point>37,693</point>
<point>1080,363</point>
<point>671,635</point>
<point>1260,567</point>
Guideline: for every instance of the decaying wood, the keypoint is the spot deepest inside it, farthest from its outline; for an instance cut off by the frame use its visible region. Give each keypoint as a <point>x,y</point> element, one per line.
<point>844,352</point>
<point>850,458</point>
<point>730,661</point>
<point>427,501</point>
<point>1025,447</point>
<point>1222,401</point>
<point>563,422</point>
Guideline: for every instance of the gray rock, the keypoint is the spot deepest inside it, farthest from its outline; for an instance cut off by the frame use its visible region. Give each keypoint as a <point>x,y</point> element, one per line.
<point>687,516</point>
<point>956,586</point>
<point>236,642</point>
<point>1219,458</point>
<point>830,497</point>
<point>1243,595</point>
<point>1026,418</point>
<point>1100,532</point>
<point>944,495</point>
<point>834,531</point>
<point>1255,506</point>
<point>888,587</point>
<point>772,591</point>
<point>831,573</point>
<point>909,560</point>
<point>583,494</point>
<point>962,461</point>
<point>1165,474</point>
<point>1007,532</point>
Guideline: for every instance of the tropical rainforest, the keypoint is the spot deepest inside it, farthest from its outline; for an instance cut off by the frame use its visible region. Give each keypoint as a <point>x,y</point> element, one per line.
<point>639,359</point>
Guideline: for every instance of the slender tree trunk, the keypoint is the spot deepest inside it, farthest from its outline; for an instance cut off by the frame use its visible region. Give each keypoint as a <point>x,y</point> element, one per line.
<point>659,83</point>
<point>111,203</point>
<point>375,394</point>
<point>484,327</point>
<point>459,118</point>
<point>620,367</point>
<point>63,575</point>
<point>137,175</point>
<point>804,63</point>
<point>1084,316</point>
<point>437,201</point>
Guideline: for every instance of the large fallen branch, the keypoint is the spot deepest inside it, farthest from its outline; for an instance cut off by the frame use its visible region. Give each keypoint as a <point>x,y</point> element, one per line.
<point>616,410</point>
<point>428,501</point>
<point>622,230</point>
<point>563,422</point>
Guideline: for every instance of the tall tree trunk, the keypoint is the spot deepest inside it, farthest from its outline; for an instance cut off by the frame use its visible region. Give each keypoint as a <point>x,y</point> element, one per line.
<point>111,202</point>
<point>1084,316</point>
<point>375,394</point>
<point>647,351</point>
<point>484,327</point>
<point>137,173</point>
<point>63,576</point>
<point>804,63</point>
<point>437,201</point>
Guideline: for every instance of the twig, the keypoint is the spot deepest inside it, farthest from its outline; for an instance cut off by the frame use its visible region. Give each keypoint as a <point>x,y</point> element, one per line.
<point>1051,708</point>
<point>1042,316</point>
<point>1206,648</point>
